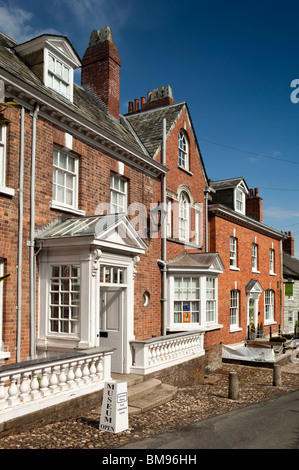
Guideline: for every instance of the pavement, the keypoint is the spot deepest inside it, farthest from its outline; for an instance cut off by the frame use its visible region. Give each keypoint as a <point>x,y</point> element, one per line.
<point>273,424</point>
<point>194,405</point>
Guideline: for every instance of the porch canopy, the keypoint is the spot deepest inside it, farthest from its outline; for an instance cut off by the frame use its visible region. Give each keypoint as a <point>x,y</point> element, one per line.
<point>198,262</point>
<point>111,231</point>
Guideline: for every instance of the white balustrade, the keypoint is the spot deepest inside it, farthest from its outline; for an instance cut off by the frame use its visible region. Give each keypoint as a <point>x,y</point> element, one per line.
<point>158,353</point>
<point>31,386</point>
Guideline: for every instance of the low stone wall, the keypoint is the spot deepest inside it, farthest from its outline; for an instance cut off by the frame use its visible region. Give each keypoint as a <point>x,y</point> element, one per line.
<point>70,409</point>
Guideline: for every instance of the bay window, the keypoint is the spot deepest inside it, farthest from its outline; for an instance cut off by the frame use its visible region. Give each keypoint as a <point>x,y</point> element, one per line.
<point>186,300</point>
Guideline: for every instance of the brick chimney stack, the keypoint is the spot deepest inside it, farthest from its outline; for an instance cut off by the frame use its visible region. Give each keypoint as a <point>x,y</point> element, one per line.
<point>155,99</point>
<point>101,69</point>
<point>254,205</point>
<point>288,244</point>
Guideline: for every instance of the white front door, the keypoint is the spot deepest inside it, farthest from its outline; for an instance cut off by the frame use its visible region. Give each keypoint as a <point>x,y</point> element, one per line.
<point>112,301</point>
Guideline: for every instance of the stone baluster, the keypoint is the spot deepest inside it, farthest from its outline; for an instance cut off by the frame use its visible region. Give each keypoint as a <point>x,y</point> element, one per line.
<point>86,372</point>
<point>35,390</point>
<point>44,383</point>
<point>54,379</point>
<point>63,378</point>
<point>93,370</point>
<point>3,395</point>
<point>13,392</point>
<point>71,375</point>
<point>25,388</point>
<point>150,355</point>
<point>100,369</point>
<point>78,374</point>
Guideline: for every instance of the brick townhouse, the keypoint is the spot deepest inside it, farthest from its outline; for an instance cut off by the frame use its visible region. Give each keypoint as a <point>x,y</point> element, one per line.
<point>82,199</point>
<point>110,229</point>
<point>250,288</point>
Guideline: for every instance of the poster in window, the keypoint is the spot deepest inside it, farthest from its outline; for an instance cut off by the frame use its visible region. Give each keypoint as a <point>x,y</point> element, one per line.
<point>186,313</point>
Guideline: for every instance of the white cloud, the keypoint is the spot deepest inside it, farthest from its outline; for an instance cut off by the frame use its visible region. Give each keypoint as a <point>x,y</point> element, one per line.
<point>15,22</point>
<point>280,213</point>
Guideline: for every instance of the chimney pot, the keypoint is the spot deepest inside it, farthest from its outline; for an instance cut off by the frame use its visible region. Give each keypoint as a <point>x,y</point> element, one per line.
<point>251,192</point>
<point>142,99</point>
<point>130,107</point>
<point>256,192</point>
<point>136,104</point>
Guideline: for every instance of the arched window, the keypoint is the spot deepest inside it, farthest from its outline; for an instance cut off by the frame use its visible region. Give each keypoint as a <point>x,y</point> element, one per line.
<point>184,216</point>
<point>183,151</point>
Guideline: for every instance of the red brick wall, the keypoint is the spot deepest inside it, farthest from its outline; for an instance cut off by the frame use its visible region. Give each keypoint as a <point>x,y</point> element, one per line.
<point>94,188</point>
<point>194,180</point>
<point>220,232</point>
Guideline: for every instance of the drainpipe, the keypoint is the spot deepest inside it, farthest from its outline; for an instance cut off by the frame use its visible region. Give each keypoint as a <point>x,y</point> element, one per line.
<point>163,234</point>
<point>207,191</point>
<point>20,238</point>
<point>32,229</point>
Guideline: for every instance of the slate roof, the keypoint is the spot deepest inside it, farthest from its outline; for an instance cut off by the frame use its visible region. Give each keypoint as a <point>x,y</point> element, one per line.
<point>227,183</point>
<point>290,266</point>
<point>83,102</point>
<point>197,260</point>
<point>148,124</point>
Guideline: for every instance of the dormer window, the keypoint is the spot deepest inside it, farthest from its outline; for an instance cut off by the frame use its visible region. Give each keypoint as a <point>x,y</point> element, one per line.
<point>58,76</point>
<point>53,59</point>
<point>240,201</point>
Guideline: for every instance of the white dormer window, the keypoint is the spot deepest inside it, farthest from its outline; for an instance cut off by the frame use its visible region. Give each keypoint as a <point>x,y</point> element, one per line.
<point>59,61</point>
<point>58,76</point>
<point>240,201</point>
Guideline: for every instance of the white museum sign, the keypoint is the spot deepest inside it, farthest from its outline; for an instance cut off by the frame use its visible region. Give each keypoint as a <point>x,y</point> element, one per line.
<point>114,414</point>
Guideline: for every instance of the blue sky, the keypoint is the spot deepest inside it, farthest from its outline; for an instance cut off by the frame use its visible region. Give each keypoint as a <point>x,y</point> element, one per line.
<point>231,61</point>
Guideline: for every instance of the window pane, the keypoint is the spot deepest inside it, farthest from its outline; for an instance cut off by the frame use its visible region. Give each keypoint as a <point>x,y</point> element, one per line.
<point>64,309</point>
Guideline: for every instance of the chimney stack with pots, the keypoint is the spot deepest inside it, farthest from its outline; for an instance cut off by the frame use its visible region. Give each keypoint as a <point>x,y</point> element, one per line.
<point>254,205</point>
<point>157,98</point>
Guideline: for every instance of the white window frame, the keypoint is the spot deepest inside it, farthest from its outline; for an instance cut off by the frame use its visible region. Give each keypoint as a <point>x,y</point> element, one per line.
<point>269,303</point>
<point>202,286</point>
<point>272,260</point>
<point>187,297</point>
<point>3,162</point>
<point>184,217</point>
<point>169,219</point>
<point>183,151</point>
<point>234,309</point>
<point>254,257</point>
<point>121,203</point>
<point>233,244</point>
<point>64,86</point>
<point>211,300</point>
<point>57,291</point>
<point>239,200</point>
<point>73,174</point>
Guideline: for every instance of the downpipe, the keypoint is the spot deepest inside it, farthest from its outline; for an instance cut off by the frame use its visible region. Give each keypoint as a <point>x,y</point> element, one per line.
<point>31,243</point>
<point>20,237</point>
